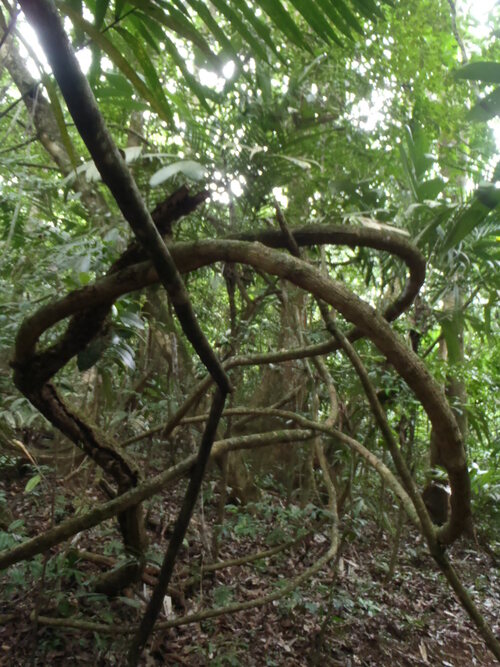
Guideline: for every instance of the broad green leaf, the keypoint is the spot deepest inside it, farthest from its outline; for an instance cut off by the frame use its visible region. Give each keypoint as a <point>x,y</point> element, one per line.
<point>488,195</point>
<point>125,355</point>
<point>468,219</point>
<point>101,7</point>
<point>417,145</point>
<point>487,314</point>
<point>488,72</point>
<point>132,321</point>
<point>33,483</point>
<point>428,233</point>
<point>123,65</point>
<point>490,245</point>
<point>488,107</point>
<point>419,151</point>
<point>119,84</point>
<point>430,189</point>
<point>193,170</point>
<point>59,116</point>
<point>119,6</point>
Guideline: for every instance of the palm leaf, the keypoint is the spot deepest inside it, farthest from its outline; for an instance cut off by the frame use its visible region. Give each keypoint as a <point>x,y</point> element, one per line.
<point>259,26</point>
<point>176,21</point>
<point>159,105</point>
<point>206,16</point>
<point>238,24</point>
<point>201,92</point>
<point>148,68</point>
<point>284,22</point>
<point>316,20</point>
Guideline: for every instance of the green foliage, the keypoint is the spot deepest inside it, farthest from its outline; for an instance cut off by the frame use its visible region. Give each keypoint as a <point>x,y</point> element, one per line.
<point>486,72</point>
<point>144,28</point>
<point>223,595</point>
<point>32,483</point>
<point>344,112</point>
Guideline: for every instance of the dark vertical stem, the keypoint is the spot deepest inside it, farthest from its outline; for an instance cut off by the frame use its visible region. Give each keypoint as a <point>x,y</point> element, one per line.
<point>89,121</point>
<point>154,606</point>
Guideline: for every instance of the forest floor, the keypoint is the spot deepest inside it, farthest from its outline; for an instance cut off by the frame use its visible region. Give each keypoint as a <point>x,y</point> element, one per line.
<point>352,615</point>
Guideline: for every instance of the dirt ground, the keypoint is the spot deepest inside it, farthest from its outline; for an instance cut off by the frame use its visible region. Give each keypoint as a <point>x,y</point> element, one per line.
<point>355,614</point>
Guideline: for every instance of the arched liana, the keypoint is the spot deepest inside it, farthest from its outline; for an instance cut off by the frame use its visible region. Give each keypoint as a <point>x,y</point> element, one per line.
<point>89,307</point>
<point>82,304</point>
